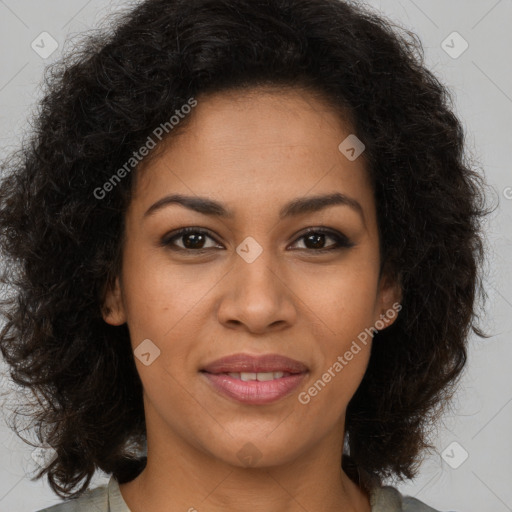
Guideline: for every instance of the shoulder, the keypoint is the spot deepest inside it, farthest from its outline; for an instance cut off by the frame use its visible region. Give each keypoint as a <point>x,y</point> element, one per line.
<point>389,499</point>
<point>93,499</point>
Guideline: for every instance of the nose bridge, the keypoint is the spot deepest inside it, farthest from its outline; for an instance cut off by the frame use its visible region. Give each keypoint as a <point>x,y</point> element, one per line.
<point>257,295</point>
<point>252,271</point>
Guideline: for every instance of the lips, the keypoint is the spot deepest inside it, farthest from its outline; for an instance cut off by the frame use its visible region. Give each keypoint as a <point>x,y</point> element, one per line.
<point>245,363</point>
<point>254,392</point>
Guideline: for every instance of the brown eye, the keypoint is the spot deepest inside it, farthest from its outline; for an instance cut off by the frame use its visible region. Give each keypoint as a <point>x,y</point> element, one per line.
<point>315,239</point>
<point>196,240</point>
<point>192,239</point>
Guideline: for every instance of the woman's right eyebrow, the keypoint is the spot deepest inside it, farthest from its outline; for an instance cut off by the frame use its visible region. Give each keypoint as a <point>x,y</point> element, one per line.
<point>295,207</point>
<point>198,204</point>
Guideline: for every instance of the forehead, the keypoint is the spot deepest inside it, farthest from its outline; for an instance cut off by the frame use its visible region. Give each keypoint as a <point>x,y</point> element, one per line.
<point>256,144</point>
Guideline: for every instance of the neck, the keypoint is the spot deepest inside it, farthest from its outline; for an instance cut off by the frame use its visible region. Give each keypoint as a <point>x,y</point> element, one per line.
<point>183,477</point>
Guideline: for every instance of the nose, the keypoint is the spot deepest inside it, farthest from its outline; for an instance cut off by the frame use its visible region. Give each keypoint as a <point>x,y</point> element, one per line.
<point>257,296</point>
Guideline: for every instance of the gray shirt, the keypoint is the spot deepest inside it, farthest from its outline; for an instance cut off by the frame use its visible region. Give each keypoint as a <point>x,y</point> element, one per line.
<point>108,498</point>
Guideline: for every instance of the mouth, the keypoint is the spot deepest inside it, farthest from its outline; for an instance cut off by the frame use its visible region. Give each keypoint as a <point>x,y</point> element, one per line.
<point>255,379</point>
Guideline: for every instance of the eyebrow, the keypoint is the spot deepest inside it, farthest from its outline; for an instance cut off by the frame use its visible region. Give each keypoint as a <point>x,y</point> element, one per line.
<point>298,206</point>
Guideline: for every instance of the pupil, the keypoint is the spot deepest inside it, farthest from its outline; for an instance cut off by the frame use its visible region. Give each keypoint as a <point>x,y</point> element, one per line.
<point>196,241</point>
<point>318,240</point>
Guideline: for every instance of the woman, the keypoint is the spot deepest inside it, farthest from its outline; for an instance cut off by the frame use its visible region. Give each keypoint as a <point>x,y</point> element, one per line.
<point>245,250</point>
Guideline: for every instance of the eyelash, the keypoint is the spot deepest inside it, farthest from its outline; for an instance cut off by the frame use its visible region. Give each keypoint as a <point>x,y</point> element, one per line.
<point>342,242</point>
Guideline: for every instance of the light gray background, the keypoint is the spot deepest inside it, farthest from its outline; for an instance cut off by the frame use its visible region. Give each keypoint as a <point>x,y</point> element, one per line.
<point>481,79</point>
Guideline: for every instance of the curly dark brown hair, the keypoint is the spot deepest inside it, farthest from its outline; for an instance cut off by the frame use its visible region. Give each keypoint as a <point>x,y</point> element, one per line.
<point>62,245</point>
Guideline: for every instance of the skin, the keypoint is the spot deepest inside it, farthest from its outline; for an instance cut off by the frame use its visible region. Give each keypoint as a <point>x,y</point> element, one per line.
<point>253,151</point>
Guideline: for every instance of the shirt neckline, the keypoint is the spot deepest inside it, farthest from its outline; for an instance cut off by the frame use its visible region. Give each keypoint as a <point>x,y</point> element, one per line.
<point>116,501</point>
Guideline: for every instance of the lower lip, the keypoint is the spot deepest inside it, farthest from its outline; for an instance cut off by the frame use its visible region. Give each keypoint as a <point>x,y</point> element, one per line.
<point>254,392</point>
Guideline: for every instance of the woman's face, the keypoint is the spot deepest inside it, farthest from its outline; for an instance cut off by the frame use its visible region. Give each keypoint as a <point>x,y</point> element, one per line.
<point>251,281</point>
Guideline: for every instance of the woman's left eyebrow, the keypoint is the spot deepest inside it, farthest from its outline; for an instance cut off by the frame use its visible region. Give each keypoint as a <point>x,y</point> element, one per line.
<point>295,207</point>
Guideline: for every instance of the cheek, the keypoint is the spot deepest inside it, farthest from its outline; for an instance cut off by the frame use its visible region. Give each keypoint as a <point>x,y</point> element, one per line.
<point>166,305</point>
<point>342,316</point>
<point>343,358</point>
<point>158,295</point>
<point>341,302</point>
<point>335,381</point>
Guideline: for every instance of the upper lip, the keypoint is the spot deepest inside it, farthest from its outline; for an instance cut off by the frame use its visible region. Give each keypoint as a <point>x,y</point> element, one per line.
<point>238,363</point>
